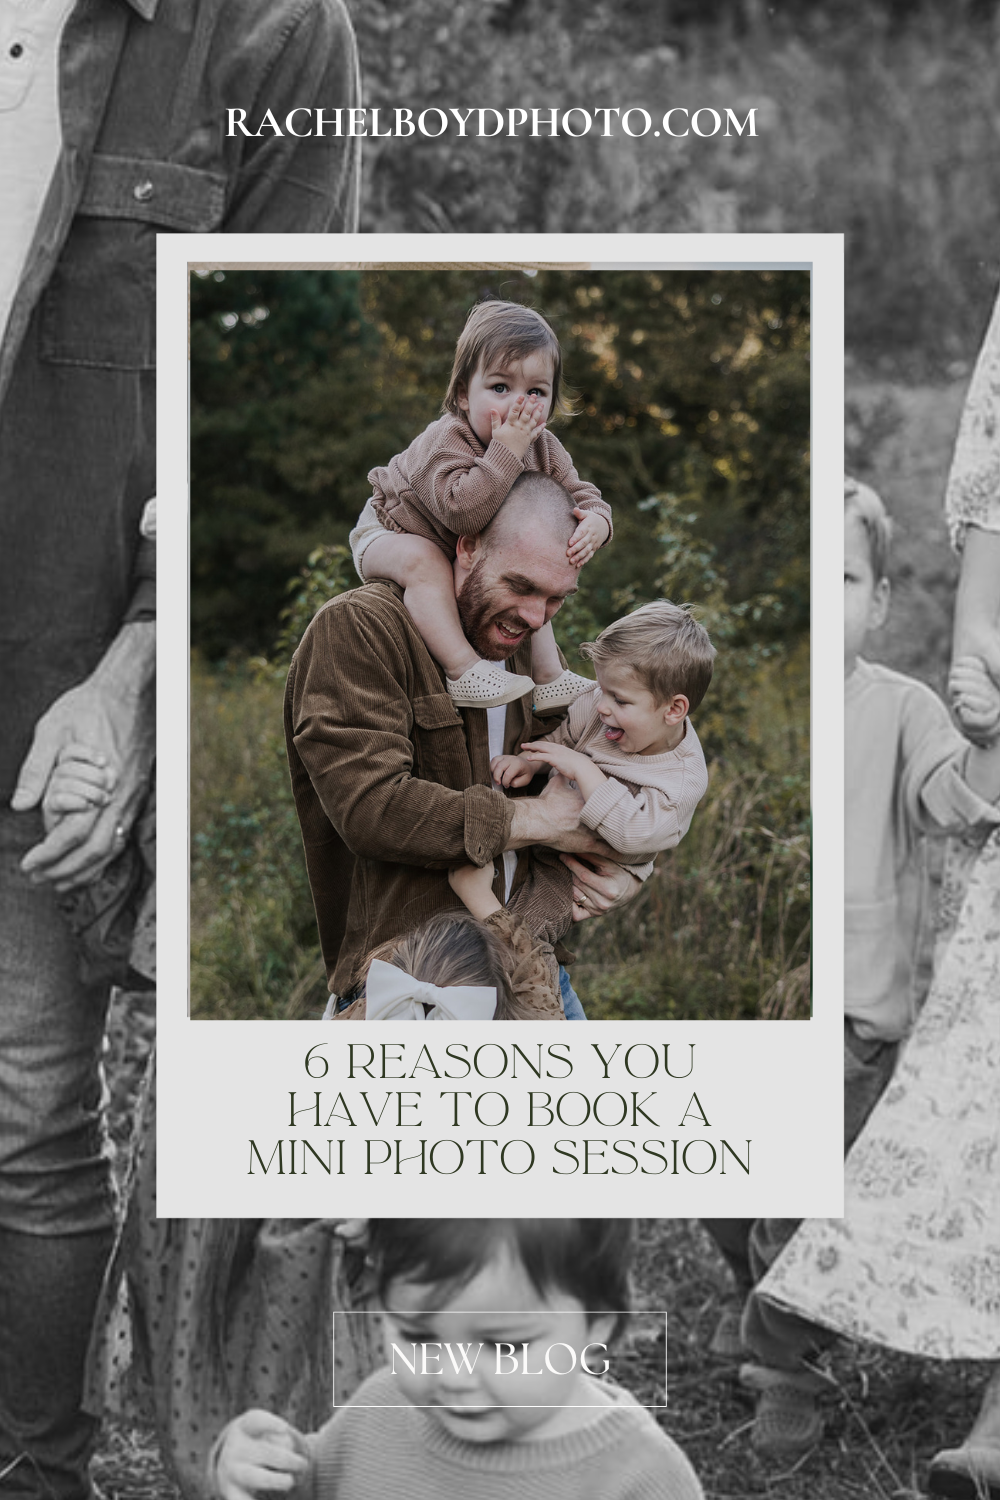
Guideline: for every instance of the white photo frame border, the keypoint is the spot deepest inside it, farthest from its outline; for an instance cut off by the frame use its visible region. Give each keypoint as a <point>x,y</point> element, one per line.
<point>772,1090</point>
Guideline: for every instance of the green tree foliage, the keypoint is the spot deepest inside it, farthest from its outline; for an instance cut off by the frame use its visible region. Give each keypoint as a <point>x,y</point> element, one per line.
<point>693,407</point>
<point>875,118</point>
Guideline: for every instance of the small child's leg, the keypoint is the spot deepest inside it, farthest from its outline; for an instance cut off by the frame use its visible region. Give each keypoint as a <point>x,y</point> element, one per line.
<point>425,575</point>
<point>545,663</point>
<point>555,685</point>
<point>423,572</point>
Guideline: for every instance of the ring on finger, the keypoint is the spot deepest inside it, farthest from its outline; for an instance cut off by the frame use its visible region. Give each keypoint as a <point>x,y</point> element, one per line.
<point>119,833</point>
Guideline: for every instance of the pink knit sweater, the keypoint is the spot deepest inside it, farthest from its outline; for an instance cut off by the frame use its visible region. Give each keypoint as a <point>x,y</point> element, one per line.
<point>446,484</point>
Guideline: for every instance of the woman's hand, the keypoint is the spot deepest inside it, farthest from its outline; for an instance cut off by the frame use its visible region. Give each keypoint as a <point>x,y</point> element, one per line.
<point>599,886</point>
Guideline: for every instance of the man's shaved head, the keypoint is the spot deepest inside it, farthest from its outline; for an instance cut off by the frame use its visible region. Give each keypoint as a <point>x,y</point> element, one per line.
<point>513,576</point>
<point>535,504</point>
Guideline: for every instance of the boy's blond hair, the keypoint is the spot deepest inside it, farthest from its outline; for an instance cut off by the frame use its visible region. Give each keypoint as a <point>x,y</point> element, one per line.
<point>666,647</point>
<point>497,331</point>
<point>860,500</point>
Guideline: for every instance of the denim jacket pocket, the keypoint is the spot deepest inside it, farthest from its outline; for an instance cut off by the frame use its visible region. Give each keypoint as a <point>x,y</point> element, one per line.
<point>99,308</point>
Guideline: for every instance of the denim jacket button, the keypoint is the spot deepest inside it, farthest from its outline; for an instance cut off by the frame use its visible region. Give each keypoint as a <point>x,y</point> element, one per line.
<point>143,191</point>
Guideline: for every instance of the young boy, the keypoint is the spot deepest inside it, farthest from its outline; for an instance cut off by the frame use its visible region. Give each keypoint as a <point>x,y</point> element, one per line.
<point>908,772</point>
<point>627,743</point>
<point>453,1413</point>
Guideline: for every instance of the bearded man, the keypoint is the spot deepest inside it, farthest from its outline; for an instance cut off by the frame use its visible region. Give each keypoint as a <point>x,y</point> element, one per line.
<point>392,782</point>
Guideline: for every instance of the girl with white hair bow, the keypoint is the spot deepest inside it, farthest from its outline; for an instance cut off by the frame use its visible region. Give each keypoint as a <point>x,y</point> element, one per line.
<point>454,968</point>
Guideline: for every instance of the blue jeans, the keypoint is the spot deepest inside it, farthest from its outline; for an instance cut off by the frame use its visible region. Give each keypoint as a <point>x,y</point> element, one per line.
<point>55,1174</point>
<point>571,1001</point>
<point>56,1206</point>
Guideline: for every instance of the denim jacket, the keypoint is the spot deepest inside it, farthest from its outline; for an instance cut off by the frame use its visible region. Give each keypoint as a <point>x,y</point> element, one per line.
<point>144,88</point>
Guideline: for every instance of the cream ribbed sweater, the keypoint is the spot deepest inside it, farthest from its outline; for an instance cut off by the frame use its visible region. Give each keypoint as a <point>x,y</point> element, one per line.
<point>374,1448</point>
<point>649,801</point>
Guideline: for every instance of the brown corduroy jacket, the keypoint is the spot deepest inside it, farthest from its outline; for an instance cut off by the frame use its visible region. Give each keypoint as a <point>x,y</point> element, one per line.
<point>392,784</point>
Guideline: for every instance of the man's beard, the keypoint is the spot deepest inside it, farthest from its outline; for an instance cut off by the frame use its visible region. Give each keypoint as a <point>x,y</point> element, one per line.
<point>477,611</point>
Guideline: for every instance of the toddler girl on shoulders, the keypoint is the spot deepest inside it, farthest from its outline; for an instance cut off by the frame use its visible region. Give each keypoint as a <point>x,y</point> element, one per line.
<point>505,386</point>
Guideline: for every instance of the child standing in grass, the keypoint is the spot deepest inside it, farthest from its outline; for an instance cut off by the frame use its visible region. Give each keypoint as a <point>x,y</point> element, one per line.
<point>464,1293</point>
<point>505,386</point>
<point>908,771</point>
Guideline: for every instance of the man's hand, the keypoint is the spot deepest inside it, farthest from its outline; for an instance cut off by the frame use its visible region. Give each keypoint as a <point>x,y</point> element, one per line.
<point>553,818</point>
<point>522,424</point>
<point>601,888</point>
<point>112,714</point>
<point>259,1453</point>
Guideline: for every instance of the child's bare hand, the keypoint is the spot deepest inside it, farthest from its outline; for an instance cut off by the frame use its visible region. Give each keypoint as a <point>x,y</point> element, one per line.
<point>259,1453</point>
<point>81,781</point>
<point>592,532</point>
<point>976,697</point>
<point>523,423</point>
<point>569,763</point>
<point>512,770</point>
<point>473,885</point>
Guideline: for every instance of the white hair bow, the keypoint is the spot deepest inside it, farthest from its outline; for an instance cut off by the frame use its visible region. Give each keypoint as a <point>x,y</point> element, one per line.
<point>392,995</point>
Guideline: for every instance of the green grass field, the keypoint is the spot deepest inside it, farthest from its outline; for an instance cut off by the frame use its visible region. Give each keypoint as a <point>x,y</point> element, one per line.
<point>720,931</point>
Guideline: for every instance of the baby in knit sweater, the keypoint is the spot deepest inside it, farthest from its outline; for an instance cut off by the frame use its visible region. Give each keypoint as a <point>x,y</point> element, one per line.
<point>490,1386</point>
<point>627,743</point>
<point>451,481</point>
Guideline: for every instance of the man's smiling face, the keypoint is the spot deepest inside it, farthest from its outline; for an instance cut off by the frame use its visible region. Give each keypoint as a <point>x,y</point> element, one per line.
<point>508,591</point>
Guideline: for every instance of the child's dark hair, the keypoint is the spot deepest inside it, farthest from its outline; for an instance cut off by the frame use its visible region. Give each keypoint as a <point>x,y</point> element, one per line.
<point>589,1259</point>
<point>453,948</point>
<point>496,331</point>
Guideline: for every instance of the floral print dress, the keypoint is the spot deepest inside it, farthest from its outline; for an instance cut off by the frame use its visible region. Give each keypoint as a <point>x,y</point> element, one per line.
<point>915,1262</point>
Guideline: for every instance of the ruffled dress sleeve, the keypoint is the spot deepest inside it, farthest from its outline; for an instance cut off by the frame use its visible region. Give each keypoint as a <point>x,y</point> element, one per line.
<point>534,973</point>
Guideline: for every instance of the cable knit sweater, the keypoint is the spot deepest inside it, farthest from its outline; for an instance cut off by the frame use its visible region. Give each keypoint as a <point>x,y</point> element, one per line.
<point>446,484</point>
<point>374,1447</point>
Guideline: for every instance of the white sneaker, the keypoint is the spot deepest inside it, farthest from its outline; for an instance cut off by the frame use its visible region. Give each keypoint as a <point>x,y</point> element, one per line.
<point>567,686</point>
<point>486,685</point>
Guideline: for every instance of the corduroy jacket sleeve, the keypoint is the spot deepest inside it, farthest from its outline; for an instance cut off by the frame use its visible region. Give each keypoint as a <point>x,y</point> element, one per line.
<point>385,754</point>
